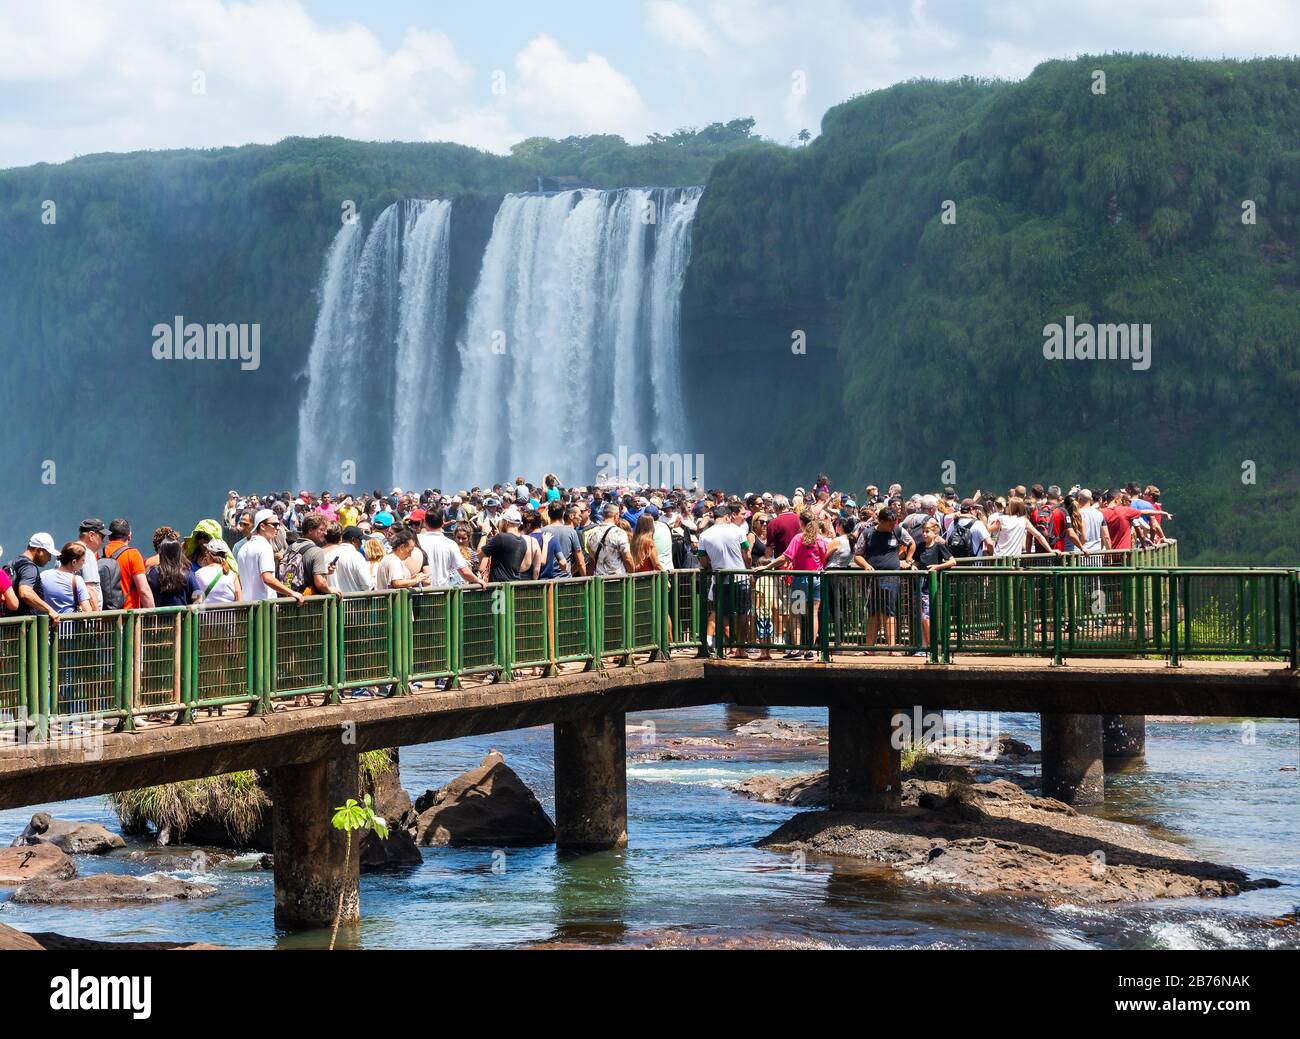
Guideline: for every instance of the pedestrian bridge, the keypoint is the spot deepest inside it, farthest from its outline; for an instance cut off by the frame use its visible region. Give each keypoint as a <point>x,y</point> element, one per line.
<point>104,702</point>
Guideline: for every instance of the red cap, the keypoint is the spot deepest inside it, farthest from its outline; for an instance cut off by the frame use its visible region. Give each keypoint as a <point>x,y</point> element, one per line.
<point>417,515</point>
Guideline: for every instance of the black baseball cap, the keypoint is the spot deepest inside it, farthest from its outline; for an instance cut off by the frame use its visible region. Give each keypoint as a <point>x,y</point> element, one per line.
<point>92,526</point>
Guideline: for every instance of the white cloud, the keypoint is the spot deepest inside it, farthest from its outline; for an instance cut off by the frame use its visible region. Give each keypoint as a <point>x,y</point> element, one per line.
<point>77,77</point>
<point>679,27</point>
<point>562,96</point>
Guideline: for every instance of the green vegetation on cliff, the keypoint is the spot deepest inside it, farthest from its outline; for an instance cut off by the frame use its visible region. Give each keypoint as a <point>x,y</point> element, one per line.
<point>1120,207</point>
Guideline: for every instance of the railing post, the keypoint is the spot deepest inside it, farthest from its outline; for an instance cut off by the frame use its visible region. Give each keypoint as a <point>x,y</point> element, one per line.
<point>505,629</point>
<point>596,623</point>
<point>1295,621</point>
<point>455,633</point>
<point>663,614</point>
<point>1174,623</point>
<point>932,579</point>
<point>823,612</point>
<point>263,628</point>
<point>130,673</point>
<point>1058,657</point>
<point>402,623</point>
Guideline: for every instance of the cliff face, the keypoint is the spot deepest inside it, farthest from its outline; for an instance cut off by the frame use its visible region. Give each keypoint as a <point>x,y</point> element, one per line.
<point>935,231</point>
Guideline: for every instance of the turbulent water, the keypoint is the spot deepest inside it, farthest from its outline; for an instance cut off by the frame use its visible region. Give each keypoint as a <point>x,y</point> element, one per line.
<point>375,359</point>
<point>568,349</point>
<point>691,870</point>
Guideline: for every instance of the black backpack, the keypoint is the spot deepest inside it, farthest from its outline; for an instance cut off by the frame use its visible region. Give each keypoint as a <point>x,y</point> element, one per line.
<point>110,581</point>
<point>959,540</point>
<point>683,557</point>
<point>14,569</point>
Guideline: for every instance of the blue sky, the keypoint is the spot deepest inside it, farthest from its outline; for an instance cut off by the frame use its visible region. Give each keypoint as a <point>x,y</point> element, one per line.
<point>79,77</point>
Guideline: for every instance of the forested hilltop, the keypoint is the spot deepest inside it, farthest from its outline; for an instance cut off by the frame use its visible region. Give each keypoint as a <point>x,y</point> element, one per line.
<point>1122,207</point>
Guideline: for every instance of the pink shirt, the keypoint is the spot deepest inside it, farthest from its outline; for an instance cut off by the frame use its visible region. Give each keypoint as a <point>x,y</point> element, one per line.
<point>808,557</point>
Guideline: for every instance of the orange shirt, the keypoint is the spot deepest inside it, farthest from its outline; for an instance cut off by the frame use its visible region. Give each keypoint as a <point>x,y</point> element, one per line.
<point>130,563</point>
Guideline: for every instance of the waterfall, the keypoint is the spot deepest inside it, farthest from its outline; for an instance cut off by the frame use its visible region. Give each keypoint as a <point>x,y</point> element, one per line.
<point>570,346</point>
<point>374,358</point>
<point>421,328</point>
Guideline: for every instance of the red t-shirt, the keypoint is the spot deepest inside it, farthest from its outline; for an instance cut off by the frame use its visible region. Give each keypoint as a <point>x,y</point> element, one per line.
<point>781,530</point>
<point>5,585</point>
<point>130,563</point>
<point>1056,529</point>
<point>1119,521</point>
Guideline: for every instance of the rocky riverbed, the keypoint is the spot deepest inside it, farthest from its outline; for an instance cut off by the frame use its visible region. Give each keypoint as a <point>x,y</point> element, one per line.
<point>971,820</point>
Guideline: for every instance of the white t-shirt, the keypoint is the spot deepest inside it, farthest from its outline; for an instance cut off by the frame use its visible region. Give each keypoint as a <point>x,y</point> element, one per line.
<point>1093,521</point>
<point>352,571</point>
<point>722,544</point>
<point>390,569</point>
<point>222,591</point>
<point>1010,538</point>
<point>256,558</point>
<point>664,544</point>
<point>443,559</point>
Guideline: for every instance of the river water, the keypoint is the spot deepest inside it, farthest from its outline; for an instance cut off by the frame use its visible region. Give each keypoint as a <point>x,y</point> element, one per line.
<point>692,875</point>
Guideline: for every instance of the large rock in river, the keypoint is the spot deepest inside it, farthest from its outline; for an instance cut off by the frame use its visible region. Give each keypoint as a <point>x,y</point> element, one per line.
<point>109,889</point>
<point>486,805</point>
<point>75,838</point>
<point>19,865</point>
<point>48,941</point>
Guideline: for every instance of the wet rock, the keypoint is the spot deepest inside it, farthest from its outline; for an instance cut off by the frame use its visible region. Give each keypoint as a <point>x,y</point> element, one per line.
<point>995,838</point>
<point>806,791</point>
<point>781,730</point>
<point>487,805</point>
<point>75,838</point>
<point>396,851</point>
<point>47,941</point>
<point>19,865</point>
<point>109,889</point>
<point>197,860</point>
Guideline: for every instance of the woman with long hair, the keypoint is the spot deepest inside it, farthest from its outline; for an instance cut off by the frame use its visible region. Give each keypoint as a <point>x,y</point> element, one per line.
<point>171,579</point>
<point>645,556</point>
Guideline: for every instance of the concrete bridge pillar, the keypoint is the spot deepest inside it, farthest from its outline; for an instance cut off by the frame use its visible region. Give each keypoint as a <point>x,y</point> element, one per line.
<point>865,766</point>
<point>310,866</point>
<point>1124,737</point>
<point>591,783</point>
<point>1072,758</point>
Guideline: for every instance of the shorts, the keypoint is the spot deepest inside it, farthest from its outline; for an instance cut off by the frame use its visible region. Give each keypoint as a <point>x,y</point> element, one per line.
<point>883,596</point>
<point>925,606</point>
<point>800,586</point>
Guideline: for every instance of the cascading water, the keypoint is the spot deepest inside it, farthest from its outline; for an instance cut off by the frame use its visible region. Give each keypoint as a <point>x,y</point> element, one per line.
<point>421,329</point>
<point>375,354</point>
<point>570,345</point>
<point>568,348</point>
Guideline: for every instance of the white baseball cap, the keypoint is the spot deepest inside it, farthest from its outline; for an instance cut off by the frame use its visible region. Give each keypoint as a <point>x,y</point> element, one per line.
<point>262,516</point>
<point>511,515</point>
<point>42,541</point>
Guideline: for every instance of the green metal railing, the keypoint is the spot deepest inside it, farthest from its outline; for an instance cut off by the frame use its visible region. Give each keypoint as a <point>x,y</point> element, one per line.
<point>126,665</point>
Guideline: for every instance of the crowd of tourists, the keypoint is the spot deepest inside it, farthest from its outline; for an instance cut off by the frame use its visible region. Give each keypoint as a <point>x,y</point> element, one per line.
<point>295,546</point>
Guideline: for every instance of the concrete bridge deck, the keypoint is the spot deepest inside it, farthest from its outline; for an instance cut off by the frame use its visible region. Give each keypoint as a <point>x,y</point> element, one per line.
<point>162,752</point>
